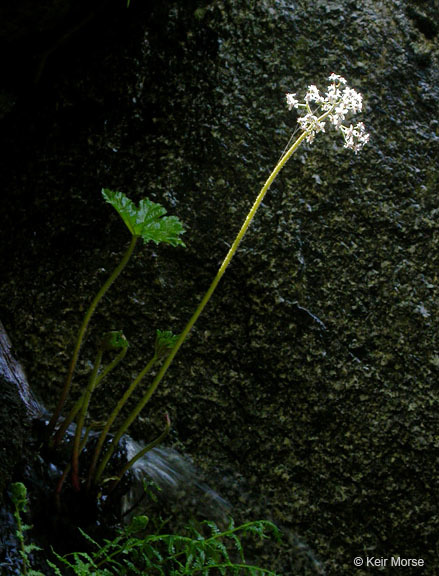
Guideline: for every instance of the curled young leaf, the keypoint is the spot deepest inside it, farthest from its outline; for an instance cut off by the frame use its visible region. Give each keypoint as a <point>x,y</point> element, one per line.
<point>138,524</point>
<point>19,495</point>
<point>164,342</point>
<point>146,221</point>
<point>114,340</point>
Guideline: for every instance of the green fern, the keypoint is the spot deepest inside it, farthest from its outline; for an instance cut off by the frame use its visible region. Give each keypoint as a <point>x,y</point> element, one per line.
<point>18,495</point>
<point>191,553</point>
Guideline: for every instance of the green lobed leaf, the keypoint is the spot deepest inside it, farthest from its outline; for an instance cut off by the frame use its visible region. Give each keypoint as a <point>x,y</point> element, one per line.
<point>146,221</point>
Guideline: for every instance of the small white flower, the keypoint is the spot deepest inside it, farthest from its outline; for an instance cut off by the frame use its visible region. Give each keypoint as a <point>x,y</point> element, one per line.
<point>336,105</point>
<point>319,126</point>
<point>291,101</point>
<point>355,137</point>
<point>333,95</point>
<point>336,78</point>
<point>305,122</point>
<point>337,117</point>
<point>311,124</point>
<point>313,94</point>
<point>352,100</point>
<point>348,135</point>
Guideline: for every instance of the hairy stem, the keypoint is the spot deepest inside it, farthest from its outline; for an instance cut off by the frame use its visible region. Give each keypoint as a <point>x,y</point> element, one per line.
<point>69,466</point>
<point>74,411</point>
<point>83,330</point>
<point>81,419</point>
<point>110,421</point>
<point>159,377</point>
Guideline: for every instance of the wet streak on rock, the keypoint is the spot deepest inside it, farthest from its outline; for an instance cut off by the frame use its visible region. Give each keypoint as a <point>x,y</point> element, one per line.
<point>18,407</point>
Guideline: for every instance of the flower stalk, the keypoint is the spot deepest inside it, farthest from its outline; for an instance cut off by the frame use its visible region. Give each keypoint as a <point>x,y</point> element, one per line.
<point>335,106</point>
<point>147,221</point>
<point>160,375</point>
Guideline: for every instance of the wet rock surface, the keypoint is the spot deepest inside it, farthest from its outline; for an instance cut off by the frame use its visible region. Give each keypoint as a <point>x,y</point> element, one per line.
<point>18,408</point>
<point>308,389</point>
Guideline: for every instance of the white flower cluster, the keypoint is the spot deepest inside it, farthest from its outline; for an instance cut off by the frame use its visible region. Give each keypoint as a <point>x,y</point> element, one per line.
<point>335,105</point>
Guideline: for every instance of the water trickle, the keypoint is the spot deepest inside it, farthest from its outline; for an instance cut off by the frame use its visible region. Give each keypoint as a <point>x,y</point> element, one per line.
<point>174,480</point>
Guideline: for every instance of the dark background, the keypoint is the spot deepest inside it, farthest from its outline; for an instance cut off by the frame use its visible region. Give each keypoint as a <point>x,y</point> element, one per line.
<point>308,391</point>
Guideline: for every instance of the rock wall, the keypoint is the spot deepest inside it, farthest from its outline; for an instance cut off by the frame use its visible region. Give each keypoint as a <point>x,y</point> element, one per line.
<point>17,409</point>
<point>309,387</point>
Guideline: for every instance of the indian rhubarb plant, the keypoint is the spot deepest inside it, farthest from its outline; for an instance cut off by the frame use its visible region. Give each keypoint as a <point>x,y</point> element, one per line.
<point>317,112</point>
